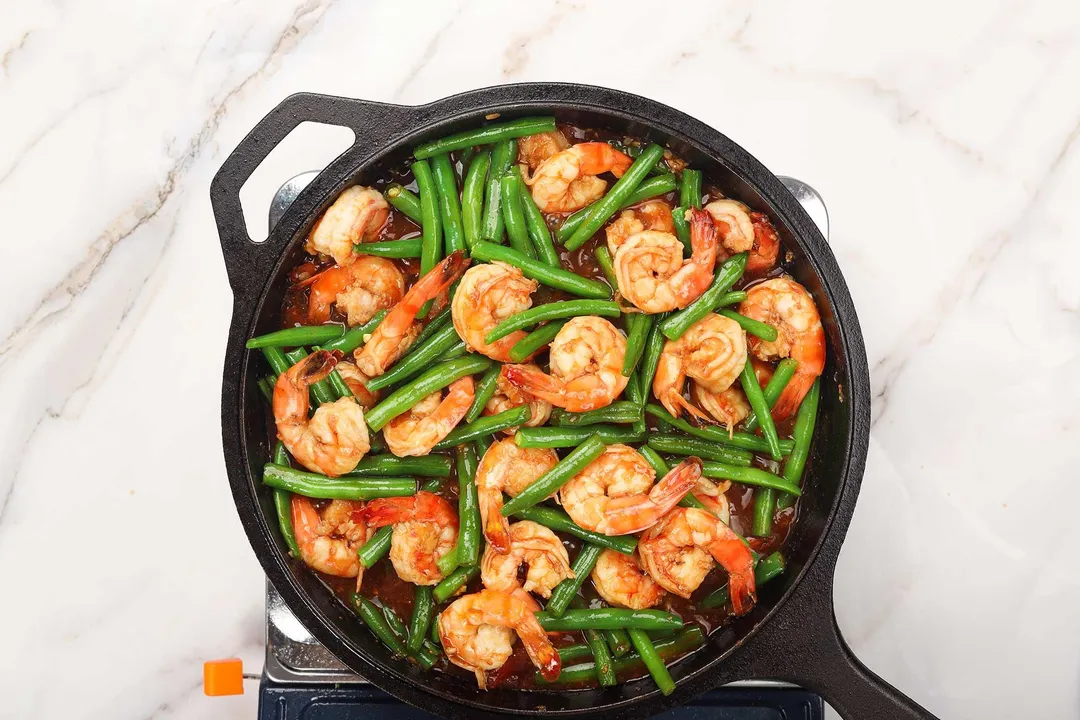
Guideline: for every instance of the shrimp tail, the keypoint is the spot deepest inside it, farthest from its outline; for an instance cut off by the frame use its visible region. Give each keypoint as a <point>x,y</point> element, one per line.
<point>535,381</point>
<point>497,530</point>
<point>317,366</point>
<point>675,403</point>
<point>704,238</point>
<point>733,556</point>
<point>388,511</point>
<point>438,279</point>
<point>792,395</point>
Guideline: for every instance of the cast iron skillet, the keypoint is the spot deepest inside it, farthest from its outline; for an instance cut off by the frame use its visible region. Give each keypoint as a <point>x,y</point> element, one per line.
<point>792,633</point>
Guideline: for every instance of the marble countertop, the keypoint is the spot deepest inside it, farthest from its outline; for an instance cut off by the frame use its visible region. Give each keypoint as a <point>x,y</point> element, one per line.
<point>943,136</point>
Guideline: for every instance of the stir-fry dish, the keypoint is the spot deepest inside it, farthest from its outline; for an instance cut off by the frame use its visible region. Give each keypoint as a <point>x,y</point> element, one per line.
<point>543,400</point>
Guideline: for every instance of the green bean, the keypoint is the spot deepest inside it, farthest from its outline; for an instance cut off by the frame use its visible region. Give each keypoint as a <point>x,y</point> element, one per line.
<point>607,265</point>
<point>283,505</point>
<point>485,135</point>
<point>682,228</point>
<point>657,669</point>
<point>623,412</point>
<point>602,210</point>
<point>619,641</point>
<point>354,337</point>
<point>449,207</point>
<point>395,623</point>
<point>265,389</point>
<point>781,376</point>
<point>404,201</point>
<point>404,248</point>
<point>502,157</point>
<point>766,569</point>
<point>454,582</point>
<point>805,420</point>
<point>730,298</point>
<point>464,158</point>
<point>659,466</point>
<point>567,590</point>
<point>485,389</point>
<point>423,607</point>
<point>544,274</point>
<point>472,196</point>
<point>431,222</point>
<point>470,533</point>
<point>552,311</point>
<point>297,336</point>
<point>679,322</point>
<point>294,356</point>
<point>747,476</point>
<point>537,227</point>
<point>690,188</point>
<point>648,188</point>
<point>541,488</point>
<point>338,385</point>
<point>428,654</point>
<point>559,521</point>
<point>513,214</point>
<point>764,509</point>
<point>669,648</point>
<point>713,434</point>
<point>376,547</point>
<point>485,426</point>
<point>322,487</point>
<point>419,358</point>
<point>678,445</point>
<point>639,326</point>
<point>535,340</point>
<point>320,391</point>
<point>376,622</point>
<point>434,379</point>
<point>435,639</point>
<point>562,437</point>
<point>761,408</point>
<point>754,327</point>
<point>482,444</point>
<point>605,671</point>
<point>650,357</point>
<point>435,323</point>
<point>426,466</point>
<point>609,619</point>
<point>570,653</point>
<point>633,394</point>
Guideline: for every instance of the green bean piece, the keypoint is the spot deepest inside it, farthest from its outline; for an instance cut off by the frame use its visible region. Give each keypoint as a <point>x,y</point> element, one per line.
<point>682,228</point>
<point>472,196</point>
<point>435,639</point>
<point>423,608</point>
<point>449,207</point>
<point>690,188</point>
<point>375,549</point>
<point>321,487</point>
<point>435,323</point>
<point>570,653</point>
<point>535,224</point>
<point>559,521</point>
<point>275,358</point>
<point>714,434</point>
<point>354,337</point>
<point>426,466</point>
<point>431,222</point>
<point>609,619</point>
<point>265,389</point>
<point>633,394</point>
<point>454,582</point>
<point>661,468</point>
<point>492,223</point>
<point>283,505</point>
<point>485,389</point>
<point>552,311</point>
<point>485,426</point>
<point>567,590</point>
<point>678,445</point>
<point>764,509</point>
<point>650,357</point>
<point>730,298</point>
<point>747,476</point>
<point>337,384</point>
<point>544,274</point>
<point>535,340</point>
<point>320,391</point>
<point>428,654</point>
<point>556,477</point>
<point>766,569</point>
<point>420,357</point>
<point>404,201</point>
<point>485,136</point>
<point>404,248</point>
<point>514,214</point>
<point>657,669</point>
<point>638,327</point>
<point>482,444</point>
<point>624,412</point>
<point>376,622</point>
<point>563,437</point>
<point>294,356</point>
<point>470,533</point>
<point>605,670</point>
<point>680,321</point>
<point>464,158</point>
<point>803,432</point>
<point>781,376</point>
<point>297,336</point>
<point>756,398</point>
<point>607,265</point>
<point>395,623</point>
<point>619,641</point>
<point>648,188</point>
<point>415,390</point>
<point>668,648</point>
<point>602,210</point>
<point>754,327</point>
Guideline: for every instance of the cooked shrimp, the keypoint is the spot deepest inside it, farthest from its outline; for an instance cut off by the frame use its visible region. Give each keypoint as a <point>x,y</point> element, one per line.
<point>427,422</point>
<point>729,407</point>
<point>507,468</point>
<point>535,149</point>
<point>711,495</point>
<point>398,329</point>
<point>357,382</point>
<point>620,580</point>
<point>360,289</point>
<point>615,494</point>
<point>567,181</point>
<point>477,633</point>
<point>357,216</point>
<point>534,546</point>
<point>586,360</point>
<point>766,247</point>
<point>487,295</point>
<point>678,552</point>
<point>650,215</point>
<point>425,529</point>
<point>336,436</point>
<point>785,304</point>
<point>744,231</point>
<point>652,274</point>
<point>508,396</point>
<point>712,352</point>
<point>329,543</point>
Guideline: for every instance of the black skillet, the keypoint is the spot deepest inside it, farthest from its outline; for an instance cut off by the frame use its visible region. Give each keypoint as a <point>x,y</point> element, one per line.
<point>791,635</point>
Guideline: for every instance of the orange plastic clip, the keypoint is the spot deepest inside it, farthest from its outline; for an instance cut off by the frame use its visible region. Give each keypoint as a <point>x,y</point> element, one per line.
<point>223,677</point>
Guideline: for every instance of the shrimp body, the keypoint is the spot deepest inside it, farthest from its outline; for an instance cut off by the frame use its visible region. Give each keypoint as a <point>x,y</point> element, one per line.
<point>678,552</point>
<point>357,382</point>
<point>586,360</point>
<point>787,306</point>
<point>567,180</point>
<point>652,274</point>
<point>487,295</point>
<point>712,352</point>
<point>425,529</point>
<point>358,215</point>
<point>328,543</point>
<point>424,425</point>
<point>742,230</point>
<point>334,440</point>
<point>509,396</point>
<point>507,468</point>
<point>620,580</point>
<point>650,215</point>
<point>361,288</point>
<point>398,329</point>
<point>477,633</point>
<point>728,407</point>
<point>534,546</point>
<point>535,149</point>
<point>615,494</point>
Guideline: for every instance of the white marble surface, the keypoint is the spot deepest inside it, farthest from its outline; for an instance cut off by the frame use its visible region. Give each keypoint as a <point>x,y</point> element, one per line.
<point>942,135</point>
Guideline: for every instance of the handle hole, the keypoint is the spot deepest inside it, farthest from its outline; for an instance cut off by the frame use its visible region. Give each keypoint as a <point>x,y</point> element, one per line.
<point>310,146</point>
